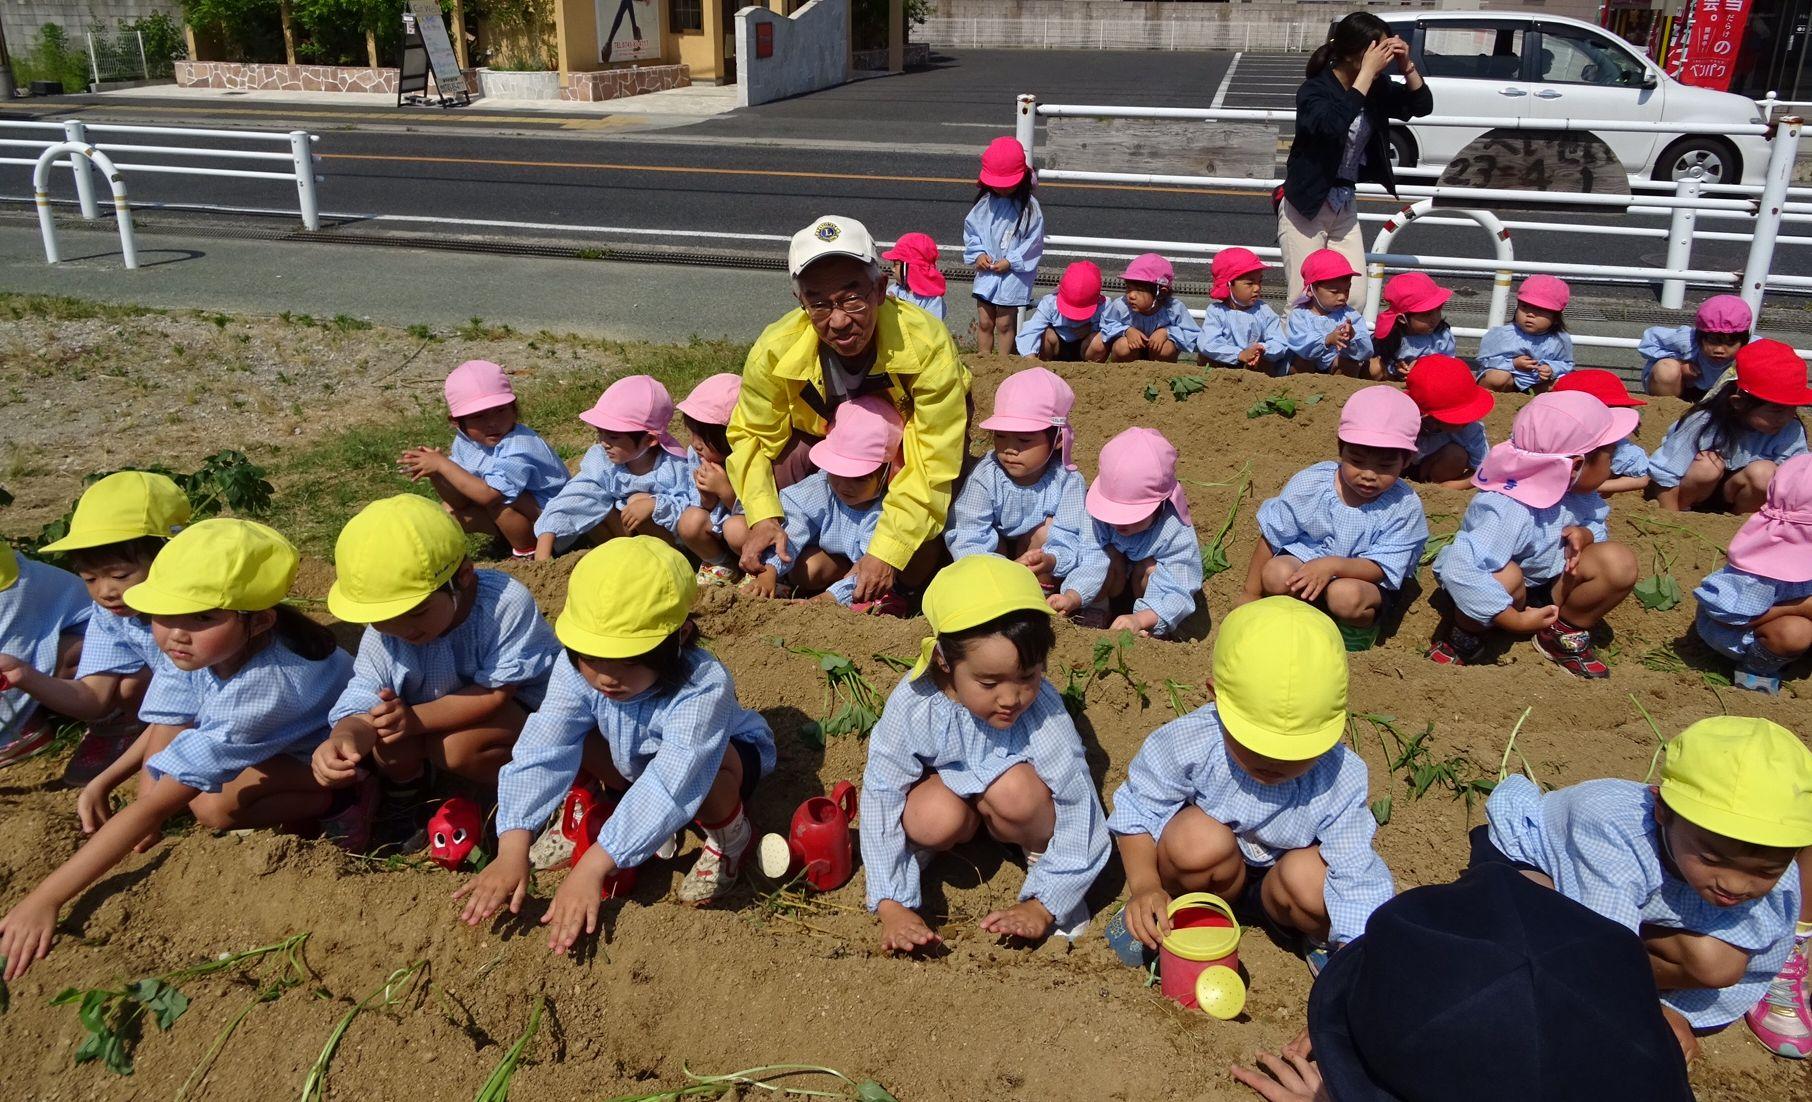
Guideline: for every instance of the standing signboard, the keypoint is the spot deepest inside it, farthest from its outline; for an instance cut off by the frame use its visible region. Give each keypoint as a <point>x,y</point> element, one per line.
<point>1705,55</point>
<point>426,48</point>
<point>629,30</point>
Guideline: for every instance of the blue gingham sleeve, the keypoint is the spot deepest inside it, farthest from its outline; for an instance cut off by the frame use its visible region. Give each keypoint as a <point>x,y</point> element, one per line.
<point>1765,932</point>
<point>546,756</point>
<point>1181,324</point>
<point>171,699</point>
<point>1499,348</point>
<point>1734,597</point>
<point>1079,842</point>
<point>1667,464</point>
<point>1596,861</point>
<point>899,753</point>
<point>1161,779</point>
<point>805,505</point>
<point>1116,319</point>
<point>585,500</point>
<point>1306,335</point>
<point>1031,331</point>
<point>1271,333</point>
<point>1629,460</point>
<point>1028,246</point>
<point>1360,348</point>
<point>1218,341</point>
<point>971,528</point>
<point>975,231</point>
<point>260,713</point>
<point>1084,551</point>
<point>107,649</point>
<point>1358,881</point>
<point>1065,541</point>
<point>1557,352</point>
<point>373,669</point>
<point>674,491</point>
<point>1397,545</point>
<point>1665,342</point>
<point>1172,590</point>
<point>523,648</point>
<point>1490,534</point>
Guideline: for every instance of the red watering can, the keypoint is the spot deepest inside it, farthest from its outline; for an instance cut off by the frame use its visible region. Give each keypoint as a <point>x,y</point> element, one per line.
<point>453,832</point>
<point>583,815</point>
<point>818,844</point>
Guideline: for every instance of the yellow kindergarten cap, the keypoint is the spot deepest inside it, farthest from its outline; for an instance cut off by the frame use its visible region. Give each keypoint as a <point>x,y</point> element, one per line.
<point>625,597</point>
<point>221,563</point>
<point>392,556</point>
<point>972,591</point>
<point>1280,679</point>
<point>9,566</point>
<point>1744,778</point>
<point>126,505</point>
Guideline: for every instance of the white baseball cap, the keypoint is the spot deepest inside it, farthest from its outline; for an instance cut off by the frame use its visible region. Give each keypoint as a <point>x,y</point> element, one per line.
<point>830,235</point>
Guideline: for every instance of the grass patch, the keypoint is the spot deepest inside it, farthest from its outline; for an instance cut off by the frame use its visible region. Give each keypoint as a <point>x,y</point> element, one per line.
<point>17,307</point>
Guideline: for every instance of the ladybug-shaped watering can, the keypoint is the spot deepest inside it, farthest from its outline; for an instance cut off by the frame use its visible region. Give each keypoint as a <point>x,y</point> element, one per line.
<point>818,846</point>
<point>453,832</point>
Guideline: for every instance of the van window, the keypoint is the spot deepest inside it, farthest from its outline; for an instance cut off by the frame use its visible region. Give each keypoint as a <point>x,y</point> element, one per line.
<point>1574,57</point>
<point>1477,52</point>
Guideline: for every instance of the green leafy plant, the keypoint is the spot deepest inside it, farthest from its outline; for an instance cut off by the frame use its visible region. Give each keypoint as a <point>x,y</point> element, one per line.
<point>851,704</point>
<point>1214,553</point>
<point>1380,809</point>
<point>1281,404</point>
<point>1503,766</point>
<point>225,480</point>
<point>395,986</point>
<point>111,1016</point>
<point>346,323</point>
<point>292,971</point>
<point>1435,545</point>
<point>1174,692</point>
<point>1110,658</point>
<point>1659,592</point>
<point>1421,771</point>
<point>894,661</point>
<point>767,1078</point>
<point>1183,387</point>
<point>497,1087</point>
<point>1654,761</point>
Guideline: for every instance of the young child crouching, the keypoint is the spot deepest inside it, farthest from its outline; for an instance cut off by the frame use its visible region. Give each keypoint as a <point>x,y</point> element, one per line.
<point>1254,797</point>
<point>1451,443</point>
<point>44,614</point>
<point>1629,463</point>
<point>1686,361</point>
<point>498,475</point>
<point>1722,453</point>
<point>1062,327</point>
<point>1532,555</point>
<point>1533,349</point>
<point>714,526</point>
<point>640,708</point>
<point>1240,329</point>
<point>452,662</point>
<point>233,718</point>
<point>1010,499</point>
<point>1131,542</point>
<point>975,736</point>
<point>1324,333</point>
<point>1413,326</point>
<point>1345,534</point>
<point>1701,868</point>
<point>1148,322</point>
<point>1757,609</point>
<point>635,480</point>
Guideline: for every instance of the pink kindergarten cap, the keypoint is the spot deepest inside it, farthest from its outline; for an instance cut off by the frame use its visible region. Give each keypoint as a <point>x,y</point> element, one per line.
<point>1409,293</point>
<point>1535,466</point>
<point>1229,265</point>
<point>1150,268</point>
<point>1723,314</point>
<point>1380,417</point>
<point>636,403</point>
<point>714,400</point>
<point>1003,163</point>
<point>1546,291</point>
<point>1079,291</point>
<point>865,434</point>
<point>475,386</point>
<point>1323,265</point>
<point>1034,400</point>
<point>1777,541</point>
<point>919,253</point>
<point>1138,474</point>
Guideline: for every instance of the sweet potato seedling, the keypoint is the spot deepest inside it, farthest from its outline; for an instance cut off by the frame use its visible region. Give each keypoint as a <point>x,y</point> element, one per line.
<point>1110,658</point>
<point>497,1087</point>
<point>767,1079</point>
<point>1503,766</point>
<point>1175,692</point>
<point>1659,592</point>
<point>1181,388</point>
<point>1654,761</point>
<point>292,971</point>
<point>1214,552</point>
<point>396,985</point>
<point>851,704</point>
<point>1281,404</point>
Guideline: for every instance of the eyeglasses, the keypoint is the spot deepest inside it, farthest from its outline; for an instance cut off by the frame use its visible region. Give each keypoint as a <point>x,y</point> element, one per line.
<point>855,305</point>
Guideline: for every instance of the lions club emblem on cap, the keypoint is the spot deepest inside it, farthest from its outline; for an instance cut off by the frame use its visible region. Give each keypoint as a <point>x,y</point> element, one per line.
<point>827,232</point>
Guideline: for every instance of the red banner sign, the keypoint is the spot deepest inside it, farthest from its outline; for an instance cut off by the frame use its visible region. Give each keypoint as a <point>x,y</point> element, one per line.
<point>1706,54</point>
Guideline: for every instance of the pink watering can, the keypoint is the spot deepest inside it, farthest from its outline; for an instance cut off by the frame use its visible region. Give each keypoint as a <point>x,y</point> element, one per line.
<point>818,845</point>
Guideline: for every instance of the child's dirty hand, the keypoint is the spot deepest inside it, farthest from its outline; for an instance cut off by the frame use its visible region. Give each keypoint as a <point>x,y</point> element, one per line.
<point>902,930</point>
<point>1148,917</point>
<point>504,880</point>
<point>26,934</point>
<point>1029,919</point>
<point>574,909</point>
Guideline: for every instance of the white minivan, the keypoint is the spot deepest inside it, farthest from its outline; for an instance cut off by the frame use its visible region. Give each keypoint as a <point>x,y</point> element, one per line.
<point>1506,65</point>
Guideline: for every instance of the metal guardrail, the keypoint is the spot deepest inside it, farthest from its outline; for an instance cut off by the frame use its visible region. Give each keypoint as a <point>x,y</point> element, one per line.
<point>299,158</point>
<point>1134,33</point>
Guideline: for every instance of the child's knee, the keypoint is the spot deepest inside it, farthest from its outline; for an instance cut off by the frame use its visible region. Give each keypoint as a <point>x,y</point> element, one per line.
<point>1789,636</point>
<point>1615,563</point>
<point>1708,962</point>
<point>1195,845</point>
<point>1755,476</point>
<point>694,526</point>
<point>1019,795</point>
<point>1276,574</point>
<point>214,810</point>
<point>1353,601</point>
<point>936,818</point>
<point>1300,878</point>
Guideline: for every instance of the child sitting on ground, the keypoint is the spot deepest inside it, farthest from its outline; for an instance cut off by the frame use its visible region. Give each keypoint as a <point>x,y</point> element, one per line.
<point>451,664</point>
<point>713,528</point>
<point>975,737</point>
<point>1254,797</point>
<point>832,515</point>
<point>1063,325</point>
<point>916,278</point>
<point>1629,463</point>
<point>1533,349</point>
<point>1685,361</point>
<point>120,524</point>
<point>1010,498</point>
<point>498,475</point>
<point>1130,543</point>
<point>1413,325</point>
<point>1532,555</point>
<point>1324,333</point>
<point>637,706</point>
<point>1240,329</point>
<point>1346,533</point>
<point>44,613</point>
<point>636,480</point>
<point>1003,240</point>
<point>1702,869</point>
<point>1757,609</point>
<point>1721,453</point>
<point>1148,322</point>
<point>1451,443</point>
<point>234,717</point>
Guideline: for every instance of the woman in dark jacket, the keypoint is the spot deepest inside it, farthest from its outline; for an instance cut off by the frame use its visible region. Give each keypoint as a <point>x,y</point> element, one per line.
<point>1342,139</point>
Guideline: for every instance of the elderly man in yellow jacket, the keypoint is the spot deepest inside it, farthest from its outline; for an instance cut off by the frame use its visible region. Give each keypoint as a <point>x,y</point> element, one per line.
<point>848,339</point>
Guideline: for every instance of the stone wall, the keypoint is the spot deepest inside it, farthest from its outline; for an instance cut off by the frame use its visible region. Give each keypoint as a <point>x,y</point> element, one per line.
<point>292,78</point>
<point>23,18</point>
<point>617,83</point>
<point>810,51</point>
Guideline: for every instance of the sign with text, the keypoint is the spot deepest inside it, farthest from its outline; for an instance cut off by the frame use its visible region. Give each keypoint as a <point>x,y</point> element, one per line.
<point>764,40</point>
<point>1534,160</point>
<point>629,30</point>
<point>1706,54</point>
<point>433,31</point>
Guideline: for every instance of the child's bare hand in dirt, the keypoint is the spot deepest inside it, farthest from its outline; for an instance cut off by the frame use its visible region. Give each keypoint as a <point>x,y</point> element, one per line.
<point>1300,1045</point>
<point>1312,578</point>
<point>1028,919</point>
<point>635,512</point>
<point>94,806</point>
<point>1689,1041</point>
<point>575,907</point>
<point>1282,1077</point>
<point>1067,603</point>
<point>1528,620</point>
<point>504,880</point>
<point>762,583</point>
<point>1148,917</point>
<point>26,934</point>
<point>902,930</point>
<point>1141,624</point>
<point>419,463</point>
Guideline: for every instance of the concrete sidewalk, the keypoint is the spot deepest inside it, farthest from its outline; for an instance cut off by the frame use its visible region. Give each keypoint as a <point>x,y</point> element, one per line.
<point>696,101</point>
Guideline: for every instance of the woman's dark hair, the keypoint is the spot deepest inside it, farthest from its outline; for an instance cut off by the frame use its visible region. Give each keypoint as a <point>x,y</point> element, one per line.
<point>1351,37</point>
<point>1021,196</point>
<point>300,634</point>
<point>138,552</point>
<point>716,437</point>
<point>669,659</point>
<point>1030,633</point>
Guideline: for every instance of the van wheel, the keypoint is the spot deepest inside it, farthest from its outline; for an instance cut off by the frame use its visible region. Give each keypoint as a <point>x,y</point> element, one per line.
<point>1715,157</point>
<point>1402,149</point>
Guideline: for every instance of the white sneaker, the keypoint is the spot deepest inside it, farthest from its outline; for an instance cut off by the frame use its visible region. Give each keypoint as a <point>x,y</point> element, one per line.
<point>553,850</point>
<point>714,873</point>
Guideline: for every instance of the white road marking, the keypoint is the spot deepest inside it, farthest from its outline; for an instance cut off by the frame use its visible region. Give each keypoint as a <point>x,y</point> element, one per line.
<point>1220,94</point>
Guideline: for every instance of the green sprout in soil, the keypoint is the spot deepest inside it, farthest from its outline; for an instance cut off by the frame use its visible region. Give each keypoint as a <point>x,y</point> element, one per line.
<point>226,480</point>
<point>1174,692</point>
<point>1281,404</point>
<point>1659,592</point>
<point>292,971</point>
<point>767,1078</point>
<point>111,1016</point>
<point>851,704</point>
<point>1503,766</point>
<point>894,661</point>
<point>396,985</point>
<point>1421,770</point>
<point>1654,762</point>
<point>1435,545</point>
<point>497,1087</point>
<point>1110,658</point>
<point>1214,553</point>
<point>1181,388</point>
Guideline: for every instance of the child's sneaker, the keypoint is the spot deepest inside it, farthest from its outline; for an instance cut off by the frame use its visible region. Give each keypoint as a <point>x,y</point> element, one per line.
<point>1315,955</point>
<point>891,604</point>
<point>1571,649</point>
<point>718,574</point>
<point>553,850</point>
<point>399,825</point>
<point>568,837</point>
<point>1757,681</point>
<point>347,823</point>
<point>97,750</point>
<point>719,861</point>
<point>1358,638</point>
<point>1460,648</point>
<point>29,743</point>
<point>1782,1020</point>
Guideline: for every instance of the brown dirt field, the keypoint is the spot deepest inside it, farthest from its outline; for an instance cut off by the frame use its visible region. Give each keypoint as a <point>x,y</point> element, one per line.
<point>663,987</point>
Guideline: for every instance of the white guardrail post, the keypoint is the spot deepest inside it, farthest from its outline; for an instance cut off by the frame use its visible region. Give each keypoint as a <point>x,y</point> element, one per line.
<point>1025,126</point>
<point>1500,240</point>
<point>40,182</point>
<point>301,149</point>
<point>78,166</point>
<point>1783,147</point>
<point>1679,239</point>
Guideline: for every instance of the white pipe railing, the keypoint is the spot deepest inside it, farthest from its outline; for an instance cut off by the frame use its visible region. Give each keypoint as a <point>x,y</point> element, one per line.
<point>299,156</point>
<point>122,210</point>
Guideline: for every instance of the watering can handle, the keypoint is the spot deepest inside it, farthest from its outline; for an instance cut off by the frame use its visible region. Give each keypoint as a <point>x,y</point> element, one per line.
<point>843,794</point>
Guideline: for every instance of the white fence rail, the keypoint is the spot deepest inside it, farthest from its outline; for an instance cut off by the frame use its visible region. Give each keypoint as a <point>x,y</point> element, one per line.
<point>1134,33</point>
<point>298,156</point>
